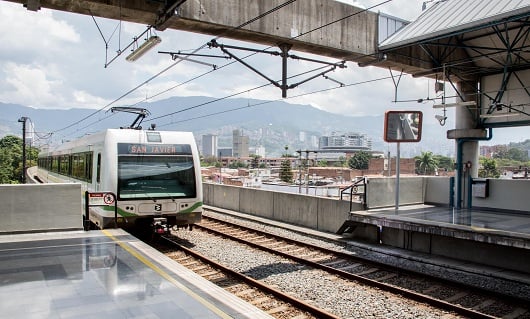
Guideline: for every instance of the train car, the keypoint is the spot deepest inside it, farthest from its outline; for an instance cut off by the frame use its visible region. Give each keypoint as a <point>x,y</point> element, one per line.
<point>155,176</point>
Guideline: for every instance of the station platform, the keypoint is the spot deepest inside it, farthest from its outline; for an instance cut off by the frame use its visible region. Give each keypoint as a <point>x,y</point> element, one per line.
<point>104,274</point>
<point>495,238</point>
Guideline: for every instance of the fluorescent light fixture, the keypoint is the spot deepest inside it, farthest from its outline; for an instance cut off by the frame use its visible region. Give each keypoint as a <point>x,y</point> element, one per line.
<point>489,116</point>
<point>141,50</point>
<point>425,73</point>
<point>440,106</point>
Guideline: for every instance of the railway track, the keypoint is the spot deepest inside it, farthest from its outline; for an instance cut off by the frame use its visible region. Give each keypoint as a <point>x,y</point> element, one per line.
<point>461,299</point>
<point>261,295</point>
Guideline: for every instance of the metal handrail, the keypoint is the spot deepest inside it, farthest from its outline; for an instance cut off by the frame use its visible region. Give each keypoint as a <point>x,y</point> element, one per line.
<point>353,188</point>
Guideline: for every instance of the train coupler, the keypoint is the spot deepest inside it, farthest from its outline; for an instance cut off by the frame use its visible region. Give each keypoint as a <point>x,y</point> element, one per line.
<point>159,225</point>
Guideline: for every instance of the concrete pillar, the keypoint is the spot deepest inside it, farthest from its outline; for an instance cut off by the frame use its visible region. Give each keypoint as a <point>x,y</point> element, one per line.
<point>466,143</point>
<point>465,120</point>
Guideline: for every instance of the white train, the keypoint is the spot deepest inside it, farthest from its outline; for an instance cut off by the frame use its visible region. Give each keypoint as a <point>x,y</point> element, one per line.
<point>155,175</point>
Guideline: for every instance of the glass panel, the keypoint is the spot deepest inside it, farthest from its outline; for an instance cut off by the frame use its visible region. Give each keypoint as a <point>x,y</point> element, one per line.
<point>149,177</point>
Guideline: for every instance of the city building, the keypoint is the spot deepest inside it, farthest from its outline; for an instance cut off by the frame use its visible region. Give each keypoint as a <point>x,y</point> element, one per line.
<point>258,150</point>
<point>240,143</point>
<point>224,152</point>
<point>345,142</point>
<point>209,145</point>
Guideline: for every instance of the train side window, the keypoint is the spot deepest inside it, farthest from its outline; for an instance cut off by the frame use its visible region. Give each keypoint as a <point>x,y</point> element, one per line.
<point>98,169</point>
<point>88,166</point>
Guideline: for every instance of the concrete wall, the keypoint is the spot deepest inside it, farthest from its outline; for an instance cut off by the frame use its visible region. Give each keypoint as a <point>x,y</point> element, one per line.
<point>467,249</point>
<point>436,190</point>
<point>506,194</point>
<point>36,207</point>
<point>380,192</point>
<point>327,214</point>
<point>324,214</point>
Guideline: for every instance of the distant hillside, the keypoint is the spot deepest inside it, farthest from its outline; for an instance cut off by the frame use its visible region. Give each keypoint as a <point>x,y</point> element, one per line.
<point>200,115</point>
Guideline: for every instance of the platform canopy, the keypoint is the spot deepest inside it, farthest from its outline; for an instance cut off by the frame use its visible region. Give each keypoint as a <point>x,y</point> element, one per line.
<point>472,41</point>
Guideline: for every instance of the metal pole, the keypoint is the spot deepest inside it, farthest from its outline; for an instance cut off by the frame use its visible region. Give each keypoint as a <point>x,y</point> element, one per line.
<point>300,173</point>
<point>397,176</point>
<point>23,120</point>
<point>115,211</point>
<point>86,219</point>
<point>306,172</point>
<point>285,47</point>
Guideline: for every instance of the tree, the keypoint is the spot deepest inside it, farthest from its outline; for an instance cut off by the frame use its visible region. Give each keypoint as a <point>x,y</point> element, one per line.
<point>237,164</point>
<point>517,155</point>
<point>360,160</point>
<point>6,167</point>
<point>322,163</point>
<point>209,161</point>
<point>286,154</point>
<point>488,168</point>
<point>426,163</point>
<point>445,162</point>
<point>286,174</point>
<point>255,161</point>
<point>11,159</point>
<point>501,152</point>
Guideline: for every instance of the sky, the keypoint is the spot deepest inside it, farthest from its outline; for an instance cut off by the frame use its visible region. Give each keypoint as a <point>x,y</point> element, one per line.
<point>55,60</point>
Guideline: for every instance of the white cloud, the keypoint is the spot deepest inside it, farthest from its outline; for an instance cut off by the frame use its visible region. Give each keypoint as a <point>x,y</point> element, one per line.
<point>87,100</point>
<point>41,31</point>
<point>29,85</point>
<point>67,57</point>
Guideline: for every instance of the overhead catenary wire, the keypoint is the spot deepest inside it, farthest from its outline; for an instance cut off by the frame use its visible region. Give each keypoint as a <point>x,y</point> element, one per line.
<point>225,97</point>
<point>249,55</point>
<point>268,47</point>
<point>280,99</point>
<point>203,46</point>
<point>245,91</point>
<point>175,63</point>
<point>250,21</point>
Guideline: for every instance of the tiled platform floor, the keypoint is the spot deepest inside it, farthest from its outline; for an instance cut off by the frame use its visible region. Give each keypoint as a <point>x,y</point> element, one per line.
<point>107,274</point>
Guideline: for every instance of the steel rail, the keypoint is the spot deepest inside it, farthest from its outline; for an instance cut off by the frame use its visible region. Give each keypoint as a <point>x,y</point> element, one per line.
<point>319,313</point>
<point>350,276</point>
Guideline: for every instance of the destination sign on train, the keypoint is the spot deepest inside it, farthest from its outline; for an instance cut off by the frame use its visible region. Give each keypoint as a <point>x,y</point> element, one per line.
<point>154,149</point>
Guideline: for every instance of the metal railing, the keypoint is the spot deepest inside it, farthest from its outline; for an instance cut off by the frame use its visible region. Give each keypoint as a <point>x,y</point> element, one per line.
<point>357,188</point>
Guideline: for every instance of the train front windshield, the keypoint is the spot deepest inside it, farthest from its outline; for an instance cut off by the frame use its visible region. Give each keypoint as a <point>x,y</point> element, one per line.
<point>149,172</point>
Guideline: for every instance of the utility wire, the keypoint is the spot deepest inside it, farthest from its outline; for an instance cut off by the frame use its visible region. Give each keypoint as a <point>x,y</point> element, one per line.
<point>249,55</point>
<point>235,28</point>
<point>280,99</point>
<point>227,96</point>
<point>248,22</point>
<point>218,37</point>
<point>175,63</point>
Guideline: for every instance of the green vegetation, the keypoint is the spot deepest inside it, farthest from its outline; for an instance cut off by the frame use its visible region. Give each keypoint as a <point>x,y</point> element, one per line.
<point>11,159</point>
<point>286,174</point>
<point>360,160</point>
<point>426,164</point>
<point>255,161</point>
<point>237,164</point>
<point>488,168</point>
<point>210,161</point>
